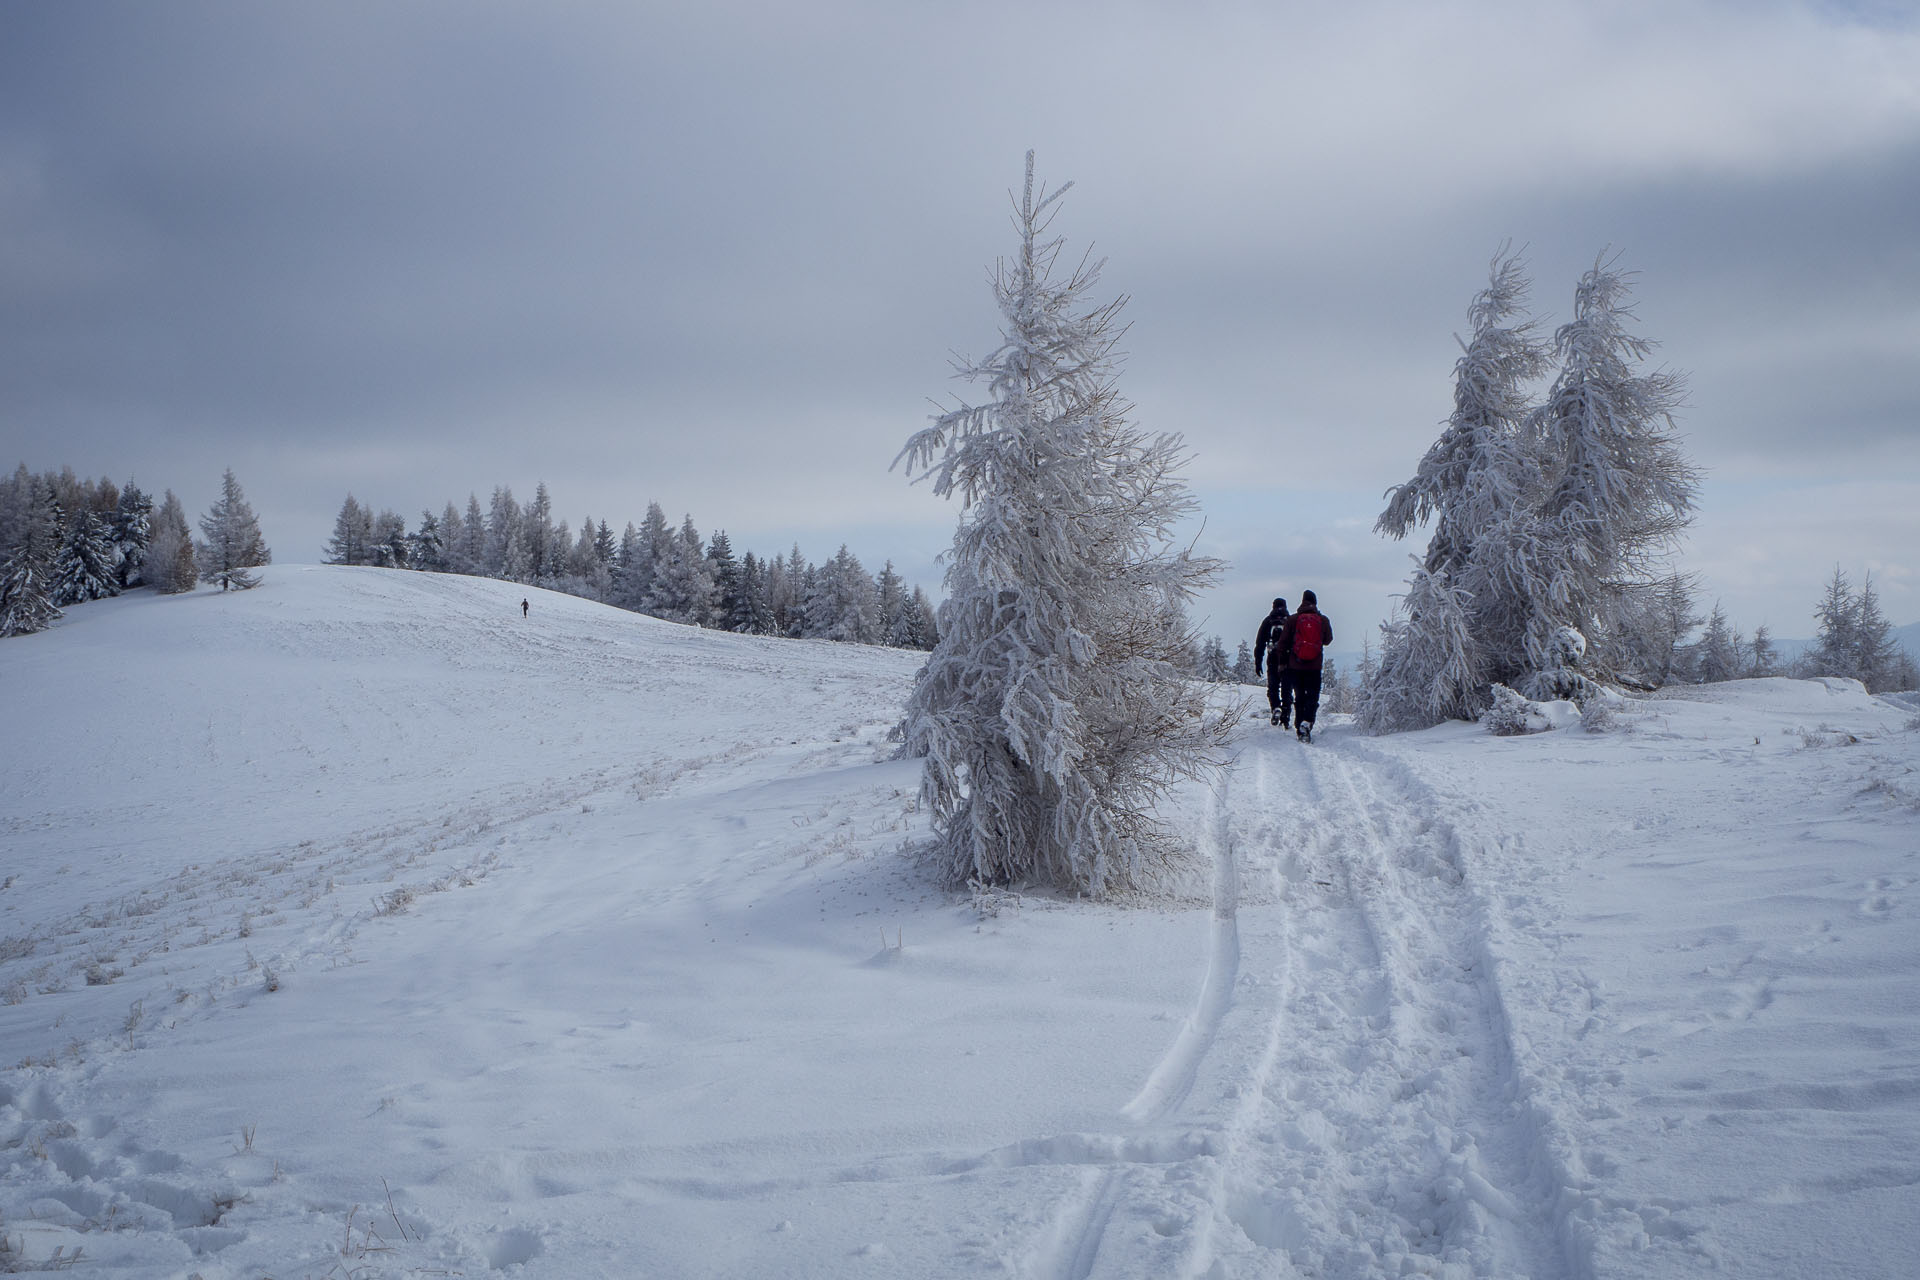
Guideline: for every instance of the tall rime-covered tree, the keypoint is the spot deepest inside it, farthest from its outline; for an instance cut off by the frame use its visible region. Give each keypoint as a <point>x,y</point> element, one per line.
<point>1053,713</point>
<point>171,566</point>
<point>1547,519</point>
<point>233,546</point>
<point>1622,492</point>
<point>1477,484</point>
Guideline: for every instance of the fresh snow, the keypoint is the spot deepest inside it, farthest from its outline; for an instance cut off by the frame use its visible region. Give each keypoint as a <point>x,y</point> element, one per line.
<point>356,926</point>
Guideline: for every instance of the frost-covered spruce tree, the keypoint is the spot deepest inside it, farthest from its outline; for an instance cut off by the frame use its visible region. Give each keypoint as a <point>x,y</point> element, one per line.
<point>1052,713</point>
<point>1622,492</point>
<point>388,540</point>
<point>843,603</point>
<point>1480,470</point>
<point>427,547</point>
<point>131,529</point>
<point>1716,655</point>
<point>170,566</point>
<point>233,546</point>
<point>1479,484</point>
<point>85,567</point>
<point>352,541</point>
<point>26,576</point>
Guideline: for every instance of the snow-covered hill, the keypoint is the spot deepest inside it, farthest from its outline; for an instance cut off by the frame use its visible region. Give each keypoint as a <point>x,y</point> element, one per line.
<point>358,926</point>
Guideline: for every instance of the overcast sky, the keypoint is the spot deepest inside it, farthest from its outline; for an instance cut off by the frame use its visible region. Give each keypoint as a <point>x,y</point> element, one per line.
<point>719,255</point>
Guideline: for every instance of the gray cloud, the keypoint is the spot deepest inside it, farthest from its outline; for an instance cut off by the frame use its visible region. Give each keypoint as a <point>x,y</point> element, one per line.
<point>718,255</point>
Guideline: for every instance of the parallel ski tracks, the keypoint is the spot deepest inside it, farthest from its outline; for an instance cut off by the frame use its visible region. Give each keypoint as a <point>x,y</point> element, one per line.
<point>1372,1120</point>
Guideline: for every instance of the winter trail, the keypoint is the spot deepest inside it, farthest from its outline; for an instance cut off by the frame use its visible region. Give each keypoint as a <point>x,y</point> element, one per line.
<point>1344,1088</point>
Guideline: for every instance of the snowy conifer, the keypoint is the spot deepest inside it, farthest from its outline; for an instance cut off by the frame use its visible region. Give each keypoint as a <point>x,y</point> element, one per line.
<point>1052,713</point>
<point>171,566</point>
<point>473,538</point>
<point>891,594</point>
<point>390,546</point>
<point>84,568</point>
<point>725,572</point>
<point>628,591</point>
<point>516,562</point>
<point>923,630</point>
<point>426,546</point>
<point>1480,471</point>
<point>1478,484</point>
<point>352,541</point>
<point>754,612</point>
<point>503,522</point>
<point>131,529</point>
<point>233,546</point>
<point>844,603</point>
<point>1833,647</point>
<point>644,571</point>
<point>546,546</point>
<point>1878,654</point>
<point>1214,667</point>
<point>1716,655</point>
<point>27,573</point>
<point>1243,665</point>
<point>1622,493</point>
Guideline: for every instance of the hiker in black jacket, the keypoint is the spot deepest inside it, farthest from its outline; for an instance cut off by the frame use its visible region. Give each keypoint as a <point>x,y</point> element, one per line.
<point>1279,679</point>
<point>1303,642</point>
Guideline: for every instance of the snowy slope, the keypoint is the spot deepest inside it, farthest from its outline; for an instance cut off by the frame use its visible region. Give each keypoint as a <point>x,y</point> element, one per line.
<point>357,926</point>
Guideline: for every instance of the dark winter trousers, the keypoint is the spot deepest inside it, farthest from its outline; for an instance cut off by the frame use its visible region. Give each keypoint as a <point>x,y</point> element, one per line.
<point>1280,690</point>
<point>1306,692</point>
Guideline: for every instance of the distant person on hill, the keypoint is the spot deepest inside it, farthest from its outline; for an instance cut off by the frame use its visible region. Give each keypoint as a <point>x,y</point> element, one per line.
<point>1279,679</point>
<point>523,608</point>
<point>1303,641</point>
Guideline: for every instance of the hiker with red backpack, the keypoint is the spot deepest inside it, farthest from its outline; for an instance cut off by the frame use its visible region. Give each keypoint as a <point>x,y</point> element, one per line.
<point>1303,642</point>
<point>1279,679</point>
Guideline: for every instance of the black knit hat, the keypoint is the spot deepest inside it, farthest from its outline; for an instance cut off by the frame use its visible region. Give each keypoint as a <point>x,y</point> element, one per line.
<point>1280,603</point>
<point>1308,598</point>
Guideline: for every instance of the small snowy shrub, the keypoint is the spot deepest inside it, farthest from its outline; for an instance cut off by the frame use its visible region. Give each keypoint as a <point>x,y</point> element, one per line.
<point>394,902</point>
<point>1598,717</point>
<point>1512,714</point>
<point>990,902</point>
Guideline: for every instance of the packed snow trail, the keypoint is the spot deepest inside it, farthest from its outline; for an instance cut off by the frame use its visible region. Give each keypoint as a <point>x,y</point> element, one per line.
<point>1346,1079</point>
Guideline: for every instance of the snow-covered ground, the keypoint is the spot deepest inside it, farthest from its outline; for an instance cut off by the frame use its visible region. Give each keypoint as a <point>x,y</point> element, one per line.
<point>357,926</point>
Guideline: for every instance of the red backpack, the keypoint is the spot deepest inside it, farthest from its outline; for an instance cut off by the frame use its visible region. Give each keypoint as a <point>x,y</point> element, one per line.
<point>1307,637</point>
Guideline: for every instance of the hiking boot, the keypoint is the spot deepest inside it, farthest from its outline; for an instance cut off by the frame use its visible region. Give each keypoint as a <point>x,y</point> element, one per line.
<point>1305,731</point>
<point>1276,717</point>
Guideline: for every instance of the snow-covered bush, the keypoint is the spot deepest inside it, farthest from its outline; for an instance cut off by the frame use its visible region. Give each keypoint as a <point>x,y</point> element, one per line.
<point>1054,710</point>
<point>1511,714</point>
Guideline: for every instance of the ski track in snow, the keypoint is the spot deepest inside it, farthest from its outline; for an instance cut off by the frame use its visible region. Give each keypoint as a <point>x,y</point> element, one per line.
<point>1369,1117</point>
